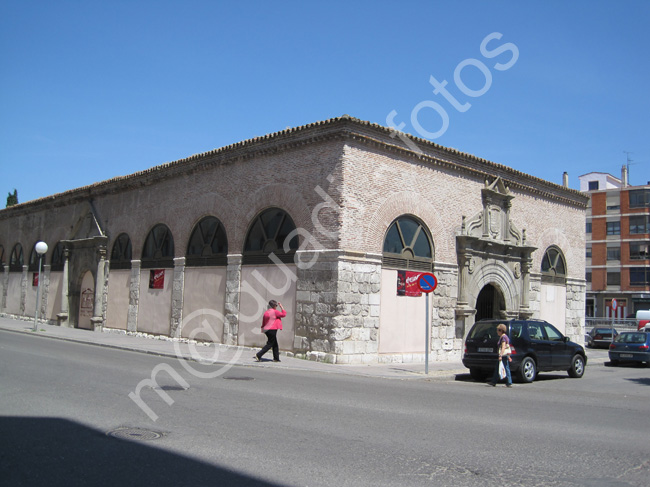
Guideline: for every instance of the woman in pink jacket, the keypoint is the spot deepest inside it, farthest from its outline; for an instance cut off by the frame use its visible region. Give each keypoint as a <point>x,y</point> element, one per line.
<point>271,323</point>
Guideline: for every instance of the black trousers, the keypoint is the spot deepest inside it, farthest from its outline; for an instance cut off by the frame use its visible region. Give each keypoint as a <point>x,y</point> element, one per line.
<point>272,343</point>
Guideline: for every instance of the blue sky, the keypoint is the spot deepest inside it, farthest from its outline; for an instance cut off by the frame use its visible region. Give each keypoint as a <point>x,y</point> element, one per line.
<point>91,90</point>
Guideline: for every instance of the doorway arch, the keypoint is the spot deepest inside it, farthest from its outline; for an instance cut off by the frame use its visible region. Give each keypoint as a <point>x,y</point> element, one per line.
<point>490,303</point>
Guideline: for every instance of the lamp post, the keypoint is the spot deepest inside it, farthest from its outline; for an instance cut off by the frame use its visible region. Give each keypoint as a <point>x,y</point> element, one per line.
<point>41,248</point>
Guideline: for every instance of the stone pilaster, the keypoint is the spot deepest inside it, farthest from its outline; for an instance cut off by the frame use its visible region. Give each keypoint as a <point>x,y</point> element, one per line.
<point>99,312</point>
<point>233,287</point>
<point>445,344</point>
<point>45,288</point>
<point>134,296</point>
<point>5,286</point>
<point>62,316</point>
<point>575,309</point>
<point>24,283</point>
<point>316,305</point>
<point>178,286</point>
<point>525,311</point>
<point>355,337</point>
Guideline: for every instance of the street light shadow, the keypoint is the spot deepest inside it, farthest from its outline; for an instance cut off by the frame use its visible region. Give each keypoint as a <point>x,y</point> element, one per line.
<point>53,452</point>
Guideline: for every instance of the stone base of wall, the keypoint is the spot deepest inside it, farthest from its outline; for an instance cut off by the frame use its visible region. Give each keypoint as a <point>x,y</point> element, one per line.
<point>41,321</point>
<point>451,351</point>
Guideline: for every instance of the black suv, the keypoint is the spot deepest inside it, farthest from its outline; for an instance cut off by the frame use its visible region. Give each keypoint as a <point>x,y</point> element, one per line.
<point>537,346</point>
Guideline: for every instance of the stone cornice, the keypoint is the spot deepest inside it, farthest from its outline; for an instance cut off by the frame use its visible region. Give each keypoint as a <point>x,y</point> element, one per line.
<point>343,128</point>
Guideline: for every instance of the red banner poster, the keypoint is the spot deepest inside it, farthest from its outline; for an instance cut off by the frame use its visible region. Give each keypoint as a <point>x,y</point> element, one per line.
<point>156,278</point>
<point>407,283</point>
<point>35,279</point>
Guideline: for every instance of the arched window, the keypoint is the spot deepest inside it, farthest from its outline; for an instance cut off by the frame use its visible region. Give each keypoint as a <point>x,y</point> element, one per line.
<point>553,266</point>
<point>121,254</point>
<point>57,257</point>
<point>158,248</point>
<point>407,246</point>
<point>33,259</point>
<point>16,260</point>
<point>208,244</point>
<point>267,235</point>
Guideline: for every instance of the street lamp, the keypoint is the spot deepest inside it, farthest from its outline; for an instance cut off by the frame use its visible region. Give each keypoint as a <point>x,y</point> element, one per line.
<point>41,248</point>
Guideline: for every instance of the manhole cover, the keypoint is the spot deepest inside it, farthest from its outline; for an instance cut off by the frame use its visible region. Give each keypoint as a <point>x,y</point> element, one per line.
<point>239,378</point>
<point>134,434</point>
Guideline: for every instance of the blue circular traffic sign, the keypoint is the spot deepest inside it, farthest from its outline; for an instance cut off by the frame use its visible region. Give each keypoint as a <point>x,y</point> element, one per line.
<point>427,282</point>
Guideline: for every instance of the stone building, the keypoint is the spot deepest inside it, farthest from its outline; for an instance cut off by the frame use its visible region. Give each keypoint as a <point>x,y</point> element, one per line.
<point>331,219</point>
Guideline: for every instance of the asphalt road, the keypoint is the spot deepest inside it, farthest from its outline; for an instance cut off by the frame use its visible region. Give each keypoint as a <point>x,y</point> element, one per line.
<point>266,427</point>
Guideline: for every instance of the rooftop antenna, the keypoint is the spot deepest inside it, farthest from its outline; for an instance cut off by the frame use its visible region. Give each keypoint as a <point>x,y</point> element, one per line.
<point>629,162</point>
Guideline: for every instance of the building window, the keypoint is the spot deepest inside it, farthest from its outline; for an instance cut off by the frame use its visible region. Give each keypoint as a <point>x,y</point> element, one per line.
<point>639,224</point>
<point>639,276</point>
<point>269,235</point>
<point>588,253</point>
<point>158,248</point>
<point>588,227</point>
<point>613,228</point>
<point>588,276</point>
<point>121,254</point>
<point>57,257</point>
<point>614,253</point>
<point>593,185</point>
<point>553,266</point>
<point>639,251</point>
<point>208,244</point>
<point>16,260</point>
<point>407,246</point>
<point>613,278</point>
<point>33,259</point>
<point>639,198</point>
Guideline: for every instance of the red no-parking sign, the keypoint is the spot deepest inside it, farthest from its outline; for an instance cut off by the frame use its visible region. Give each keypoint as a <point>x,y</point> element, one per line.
<point>427,282</point>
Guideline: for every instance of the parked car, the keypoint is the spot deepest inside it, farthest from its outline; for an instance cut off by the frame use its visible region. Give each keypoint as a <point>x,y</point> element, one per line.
<point>600,337</point>
<point>632,346</point>
<point>537,346</point>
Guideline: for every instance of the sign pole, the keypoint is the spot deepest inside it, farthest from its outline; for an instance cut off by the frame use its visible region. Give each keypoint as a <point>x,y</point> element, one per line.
<point>426,340</point>
<point>427,282</point>
<point>614,306</point>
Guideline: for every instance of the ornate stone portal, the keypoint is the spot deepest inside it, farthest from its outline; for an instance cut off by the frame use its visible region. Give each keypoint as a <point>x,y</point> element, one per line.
<point>492,251</point>
<point>85,251</point>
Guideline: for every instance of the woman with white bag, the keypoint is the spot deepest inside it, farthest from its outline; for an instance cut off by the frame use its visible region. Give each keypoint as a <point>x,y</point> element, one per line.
<point>503,369</point>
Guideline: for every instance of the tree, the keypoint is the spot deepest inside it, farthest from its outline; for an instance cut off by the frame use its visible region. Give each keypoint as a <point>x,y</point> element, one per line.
<point>12,199</point>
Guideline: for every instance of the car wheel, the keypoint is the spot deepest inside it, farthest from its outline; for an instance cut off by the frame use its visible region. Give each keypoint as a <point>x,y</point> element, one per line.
<point>577,368</point>
<point>477,374</point>
<point>527,370</point>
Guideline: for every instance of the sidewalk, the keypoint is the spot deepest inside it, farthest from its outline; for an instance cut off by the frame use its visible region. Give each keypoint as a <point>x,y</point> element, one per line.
<point>225,354</point>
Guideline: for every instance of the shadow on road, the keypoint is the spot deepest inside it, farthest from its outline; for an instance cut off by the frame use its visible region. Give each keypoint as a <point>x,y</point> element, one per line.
<point>40,452</point>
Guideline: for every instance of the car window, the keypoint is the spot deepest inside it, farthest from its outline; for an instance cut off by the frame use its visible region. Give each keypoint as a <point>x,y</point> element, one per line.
<point>484,330</point>
<point>630,338</point>
<point>535,332</point>
<point>515,330</point>
<point>553,334</point>
<point>638,338</point>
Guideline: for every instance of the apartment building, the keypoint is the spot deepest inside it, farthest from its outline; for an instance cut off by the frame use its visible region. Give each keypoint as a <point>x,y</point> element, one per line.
<point>618,239</point>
